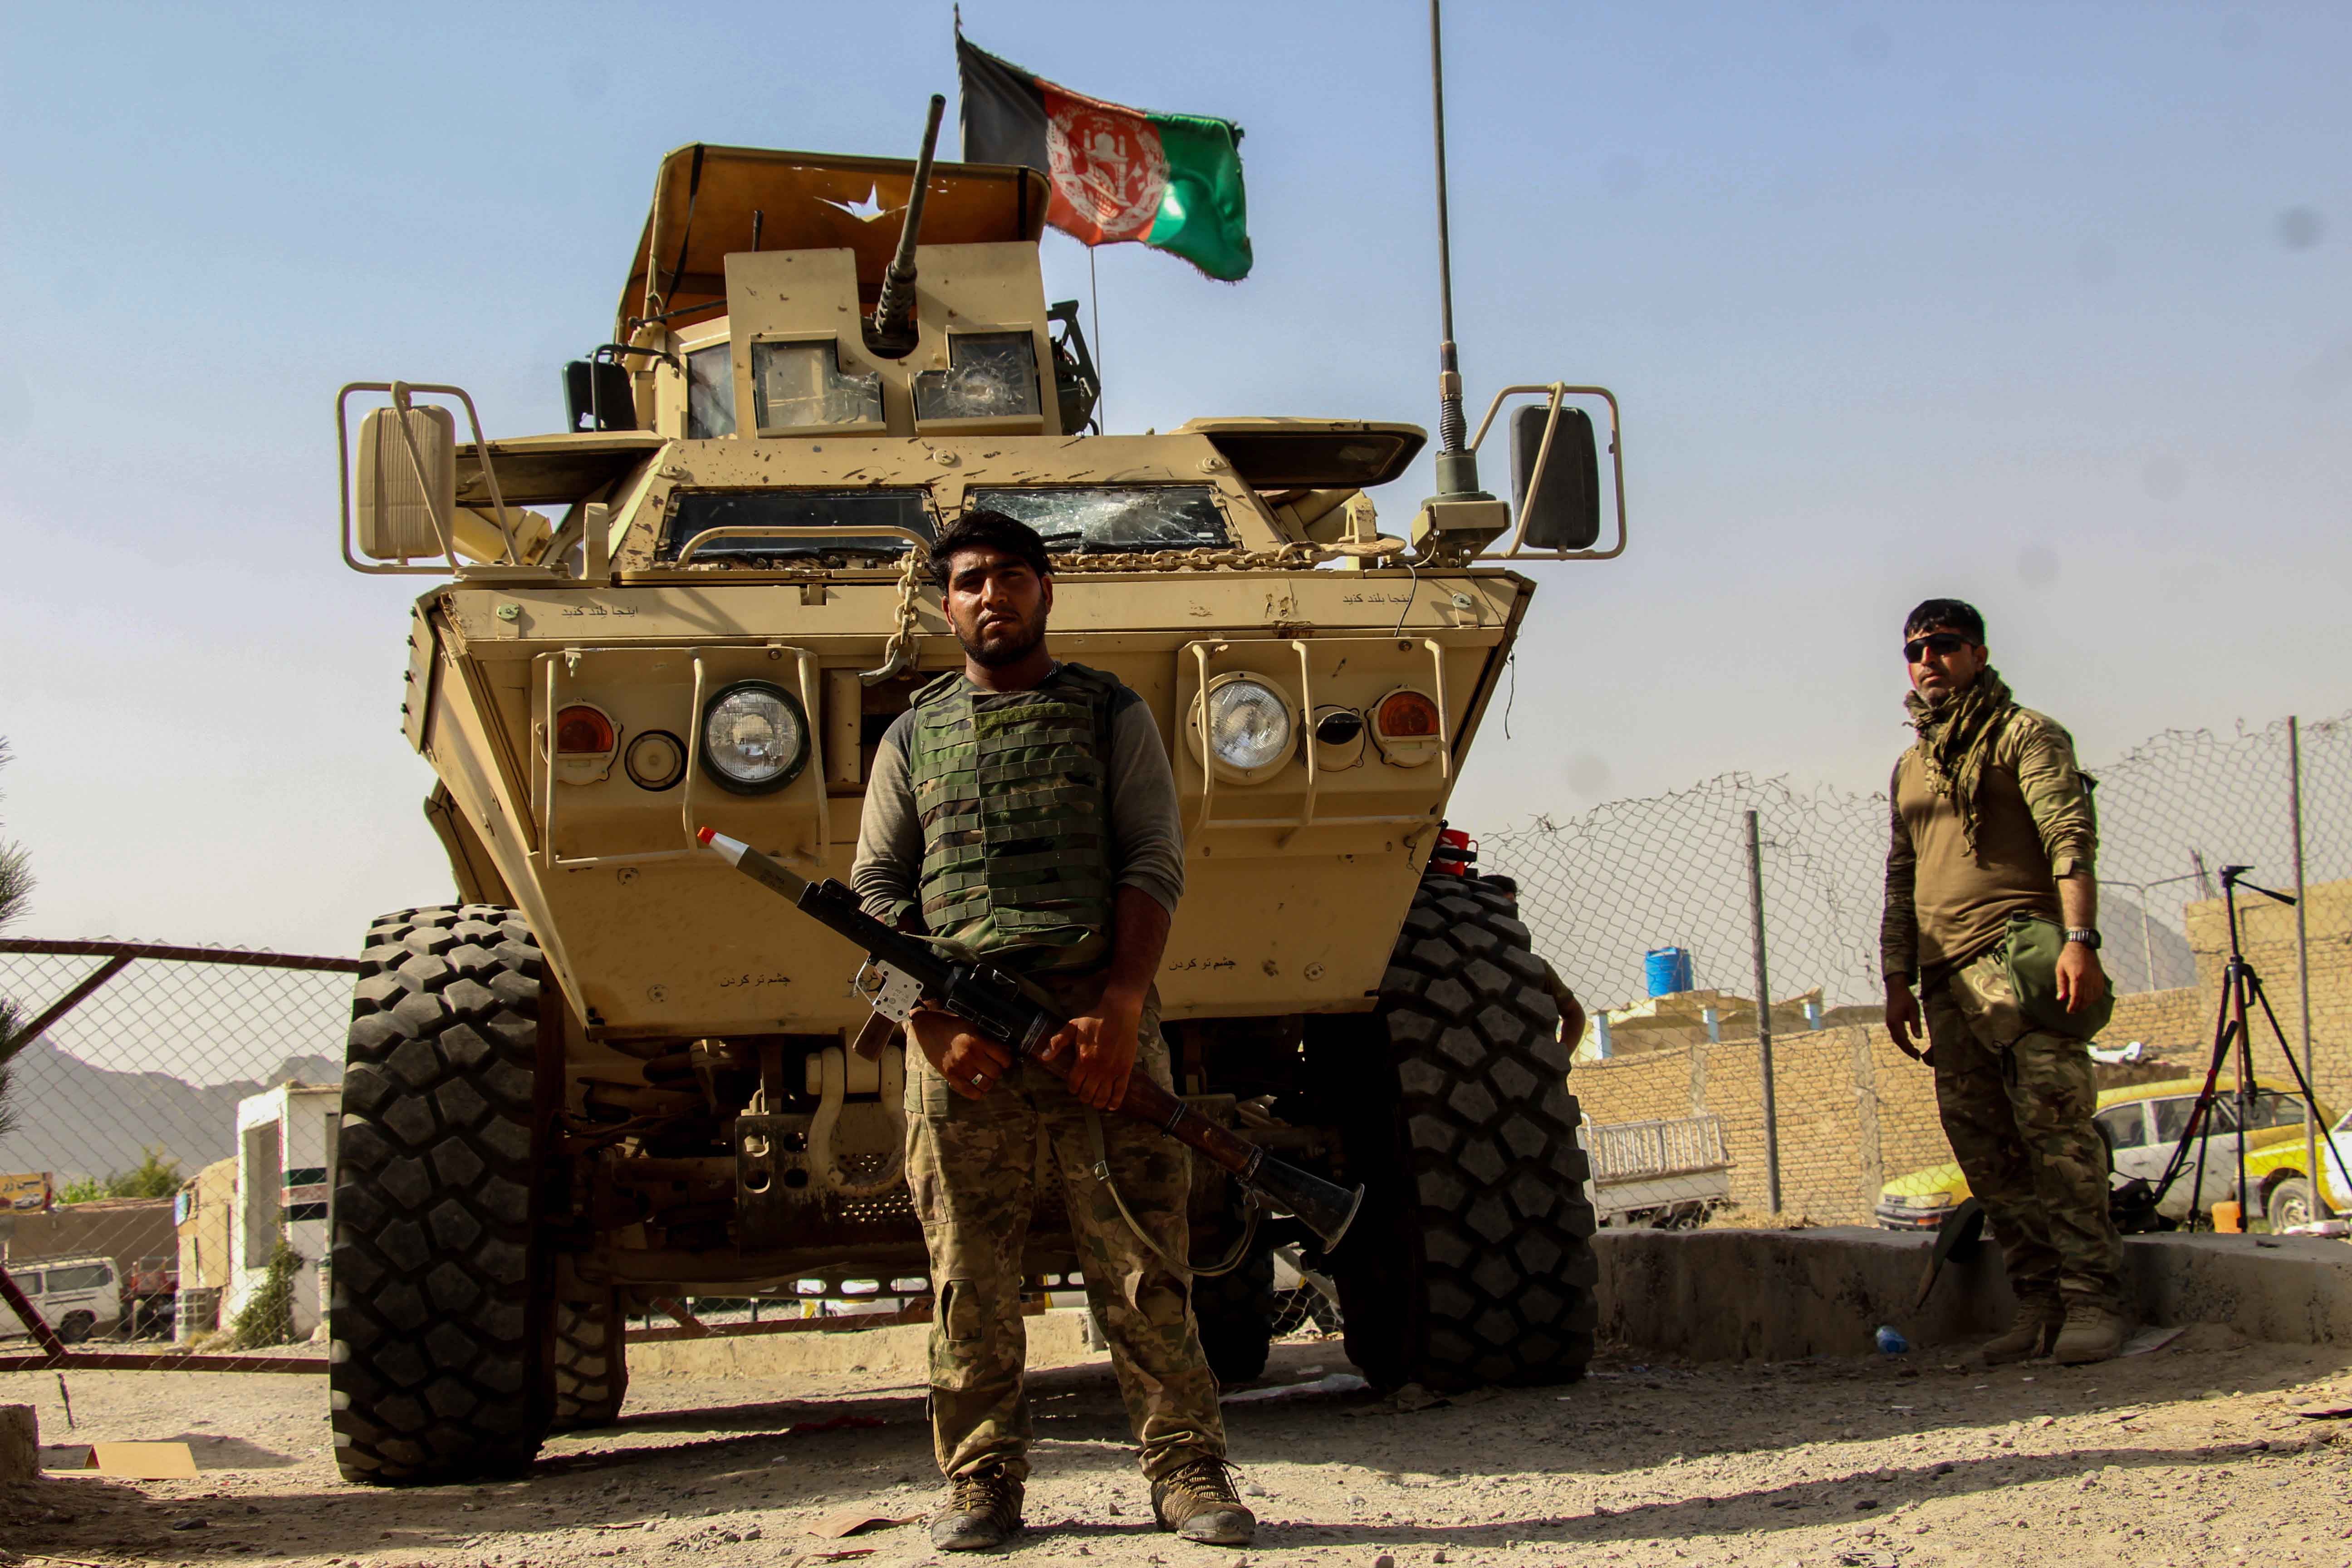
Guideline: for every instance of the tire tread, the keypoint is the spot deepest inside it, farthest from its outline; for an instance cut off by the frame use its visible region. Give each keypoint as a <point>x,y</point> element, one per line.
<point>1490,1275</point>
<point>432,1309</point>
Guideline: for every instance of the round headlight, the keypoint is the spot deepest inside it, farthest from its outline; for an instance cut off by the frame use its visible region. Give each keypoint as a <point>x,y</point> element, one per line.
<point>1249,724</point>
<point>754,738</point>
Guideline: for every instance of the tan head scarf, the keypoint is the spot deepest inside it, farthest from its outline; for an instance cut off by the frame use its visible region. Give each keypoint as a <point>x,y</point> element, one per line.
<point>1956,740</point>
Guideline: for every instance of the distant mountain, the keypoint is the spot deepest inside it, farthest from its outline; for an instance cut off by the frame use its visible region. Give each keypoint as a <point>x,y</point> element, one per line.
<point>76,1120</point>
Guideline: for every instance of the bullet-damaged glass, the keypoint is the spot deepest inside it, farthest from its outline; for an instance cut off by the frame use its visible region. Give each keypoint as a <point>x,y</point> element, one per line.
<point>710,393</point>
<point>990,375</point>
<point>1113,516</point>
<point>796,386</point>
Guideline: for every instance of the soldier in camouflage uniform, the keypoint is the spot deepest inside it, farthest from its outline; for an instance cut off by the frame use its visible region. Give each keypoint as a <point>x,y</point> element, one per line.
<point>1992,820</point>
<point>1025,808</point>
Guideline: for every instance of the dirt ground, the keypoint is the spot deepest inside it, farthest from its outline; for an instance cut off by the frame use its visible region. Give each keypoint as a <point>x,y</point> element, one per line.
<point>2192,1454</point>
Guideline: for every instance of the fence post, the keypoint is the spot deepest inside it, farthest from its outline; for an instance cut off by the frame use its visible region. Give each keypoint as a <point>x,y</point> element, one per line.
<point>1764,1013</point>
<point>2319,1208</point>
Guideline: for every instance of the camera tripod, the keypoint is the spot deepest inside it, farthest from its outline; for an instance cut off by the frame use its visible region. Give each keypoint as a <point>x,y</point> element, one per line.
<point>2241,990</point>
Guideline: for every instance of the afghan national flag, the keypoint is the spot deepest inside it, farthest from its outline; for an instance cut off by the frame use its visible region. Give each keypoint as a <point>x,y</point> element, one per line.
<point>1173,181</point>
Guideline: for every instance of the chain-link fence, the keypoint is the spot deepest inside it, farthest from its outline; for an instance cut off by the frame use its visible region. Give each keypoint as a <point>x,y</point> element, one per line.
<point>1647,909</point>
<point>1602,887</point>
<point>175,1110</point>
<point>172,1119</point>
<point>168,1143</point>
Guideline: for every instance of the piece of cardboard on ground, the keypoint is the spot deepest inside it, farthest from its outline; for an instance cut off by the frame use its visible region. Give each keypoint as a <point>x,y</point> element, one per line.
<point>143,1461</point>
<point>844,1522</point>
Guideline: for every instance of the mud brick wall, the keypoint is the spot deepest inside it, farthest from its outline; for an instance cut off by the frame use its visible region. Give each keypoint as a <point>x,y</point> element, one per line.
<point>2177,1022</point>
<point>1854,1110</point>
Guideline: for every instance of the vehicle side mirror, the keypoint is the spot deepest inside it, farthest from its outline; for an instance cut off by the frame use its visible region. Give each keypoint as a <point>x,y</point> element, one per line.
<point>1567,514</point>
<point>597,397</point>
<point>397,514</point>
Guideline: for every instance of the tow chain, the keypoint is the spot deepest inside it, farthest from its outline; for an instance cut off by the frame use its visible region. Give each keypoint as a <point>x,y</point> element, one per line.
<point>899,653</point>
<point>1294,556</point>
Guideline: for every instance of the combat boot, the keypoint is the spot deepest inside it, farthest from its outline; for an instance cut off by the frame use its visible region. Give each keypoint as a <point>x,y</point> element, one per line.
<point>982,1511</point>
<point>2094,1331</point>
<point>2038,1323</point>
<point>1197,1501</point>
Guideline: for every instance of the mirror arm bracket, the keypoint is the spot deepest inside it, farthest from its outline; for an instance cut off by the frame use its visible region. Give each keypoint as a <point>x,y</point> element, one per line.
<point>401,393</point>
<point>1555,392</point>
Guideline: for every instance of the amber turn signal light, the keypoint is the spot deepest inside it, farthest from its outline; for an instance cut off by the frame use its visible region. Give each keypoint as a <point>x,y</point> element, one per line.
<point>583,730</point>
<point>1406,715</point>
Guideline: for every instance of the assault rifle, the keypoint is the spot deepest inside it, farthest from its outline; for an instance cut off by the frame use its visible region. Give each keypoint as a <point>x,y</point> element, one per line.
<point>903,970</point>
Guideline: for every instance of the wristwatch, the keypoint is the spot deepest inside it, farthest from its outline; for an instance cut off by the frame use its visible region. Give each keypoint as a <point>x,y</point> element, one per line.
<point>2084,934</point>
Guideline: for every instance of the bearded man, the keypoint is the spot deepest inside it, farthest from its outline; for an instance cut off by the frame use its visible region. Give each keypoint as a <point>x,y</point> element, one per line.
<point>1025,808</point>
<point>1992,909</point>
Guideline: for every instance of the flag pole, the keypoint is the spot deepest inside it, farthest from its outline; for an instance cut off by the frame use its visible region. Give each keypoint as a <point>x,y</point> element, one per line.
<point>1094,309</point>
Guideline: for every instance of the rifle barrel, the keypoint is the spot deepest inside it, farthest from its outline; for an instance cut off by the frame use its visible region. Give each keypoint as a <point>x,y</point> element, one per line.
<point>1325,1208</point>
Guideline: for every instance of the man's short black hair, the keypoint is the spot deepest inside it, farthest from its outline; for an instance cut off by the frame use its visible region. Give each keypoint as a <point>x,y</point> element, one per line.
<point>981,529</point>
<point>1945,615</point>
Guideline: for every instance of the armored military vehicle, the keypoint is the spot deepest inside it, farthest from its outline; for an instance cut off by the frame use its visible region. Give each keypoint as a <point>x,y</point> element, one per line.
<point>614,1075</point>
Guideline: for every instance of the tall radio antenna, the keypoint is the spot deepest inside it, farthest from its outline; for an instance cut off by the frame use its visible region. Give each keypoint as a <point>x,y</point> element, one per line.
<point>1457,468</point>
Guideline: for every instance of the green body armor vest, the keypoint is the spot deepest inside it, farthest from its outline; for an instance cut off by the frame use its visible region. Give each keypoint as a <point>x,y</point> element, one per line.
<point>1012,791</point>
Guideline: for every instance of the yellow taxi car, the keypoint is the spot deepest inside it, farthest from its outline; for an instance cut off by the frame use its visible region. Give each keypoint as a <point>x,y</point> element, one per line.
<point>2142,1124</point>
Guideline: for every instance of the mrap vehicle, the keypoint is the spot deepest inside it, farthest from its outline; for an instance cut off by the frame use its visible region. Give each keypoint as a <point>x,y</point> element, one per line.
<point>614,1072</point>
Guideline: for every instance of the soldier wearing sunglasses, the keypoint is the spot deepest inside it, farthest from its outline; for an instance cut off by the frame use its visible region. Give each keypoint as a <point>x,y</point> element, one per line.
<point>1993,910</point>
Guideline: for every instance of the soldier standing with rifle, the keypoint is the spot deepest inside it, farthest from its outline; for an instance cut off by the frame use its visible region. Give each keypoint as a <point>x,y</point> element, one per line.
<point>1992,905</point>
<point>1025,809</point>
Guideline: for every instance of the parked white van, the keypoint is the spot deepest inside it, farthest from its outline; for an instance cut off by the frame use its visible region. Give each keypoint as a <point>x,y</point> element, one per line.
<point>79,1296</point>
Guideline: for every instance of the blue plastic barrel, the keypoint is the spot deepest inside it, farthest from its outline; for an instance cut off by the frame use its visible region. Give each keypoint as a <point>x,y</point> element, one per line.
<point>1667,969</point>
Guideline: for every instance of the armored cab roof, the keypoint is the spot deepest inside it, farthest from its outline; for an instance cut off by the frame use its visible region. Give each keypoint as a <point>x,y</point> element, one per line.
<point>704,198</point>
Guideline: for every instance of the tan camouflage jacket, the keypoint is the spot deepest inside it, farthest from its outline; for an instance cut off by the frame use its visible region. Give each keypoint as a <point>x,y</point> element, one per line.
<point>1941,904</point>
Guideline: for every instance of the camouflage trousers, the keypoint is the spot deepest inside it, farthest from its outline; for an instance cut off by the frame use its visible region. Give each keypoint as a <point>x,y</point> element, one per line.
<point>975,1168</point>
<point>2016,1104</point>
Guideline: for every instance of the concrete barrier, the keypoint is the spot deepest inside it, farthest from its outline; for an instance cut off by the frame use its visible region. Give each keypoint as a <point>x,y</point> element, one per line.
<point>1057,1338</point>
<point>1778,1294</point>
<point>1728,1295</point>
<point>20,1443</point>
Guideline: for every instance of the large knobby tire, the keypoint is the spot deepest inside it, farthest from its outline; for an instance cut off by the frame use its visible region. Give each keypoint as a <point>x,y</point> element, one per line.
<point>438,1312</point>
<point>1236,1314</point>
<point>592,1366</point>
<point>1471,1262</point>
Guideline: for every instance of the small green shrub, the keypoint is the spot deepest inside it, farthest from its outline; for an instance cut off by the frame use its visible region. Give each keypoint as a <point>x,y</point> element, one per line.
<point>267,1316</point>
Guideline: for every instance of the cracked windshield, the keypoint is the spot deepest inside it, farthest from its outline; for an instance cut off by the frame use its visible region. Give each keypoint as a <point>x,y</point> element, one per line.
<point>796,515</point>
<point>1159,517</point>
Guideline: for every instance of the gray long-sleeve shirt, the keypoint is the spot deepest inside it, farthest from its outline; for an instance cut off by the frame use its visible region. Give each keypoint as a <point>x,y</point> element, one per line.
<point>1147,836</point>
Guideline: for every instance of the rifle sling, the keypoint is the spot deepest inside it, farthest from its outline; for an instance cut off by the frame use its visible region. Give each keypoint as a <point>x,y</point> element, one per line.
<point>1224,1265</point>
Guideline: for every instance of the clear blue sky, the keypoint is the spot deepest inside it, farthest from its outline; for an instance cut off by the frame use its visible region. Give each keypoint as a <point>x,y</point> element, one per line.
<point>2043,305</point>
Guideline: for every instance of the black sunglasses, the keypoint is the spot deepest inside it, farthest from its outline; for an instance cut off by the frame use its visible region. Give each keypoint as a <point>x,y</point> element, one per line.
<point>1943,644</point>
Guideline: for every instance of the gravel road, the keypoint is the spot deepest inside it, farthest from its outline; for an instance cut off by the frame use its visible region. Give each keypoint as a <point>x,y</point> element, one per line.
<point>2189,1455</point>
